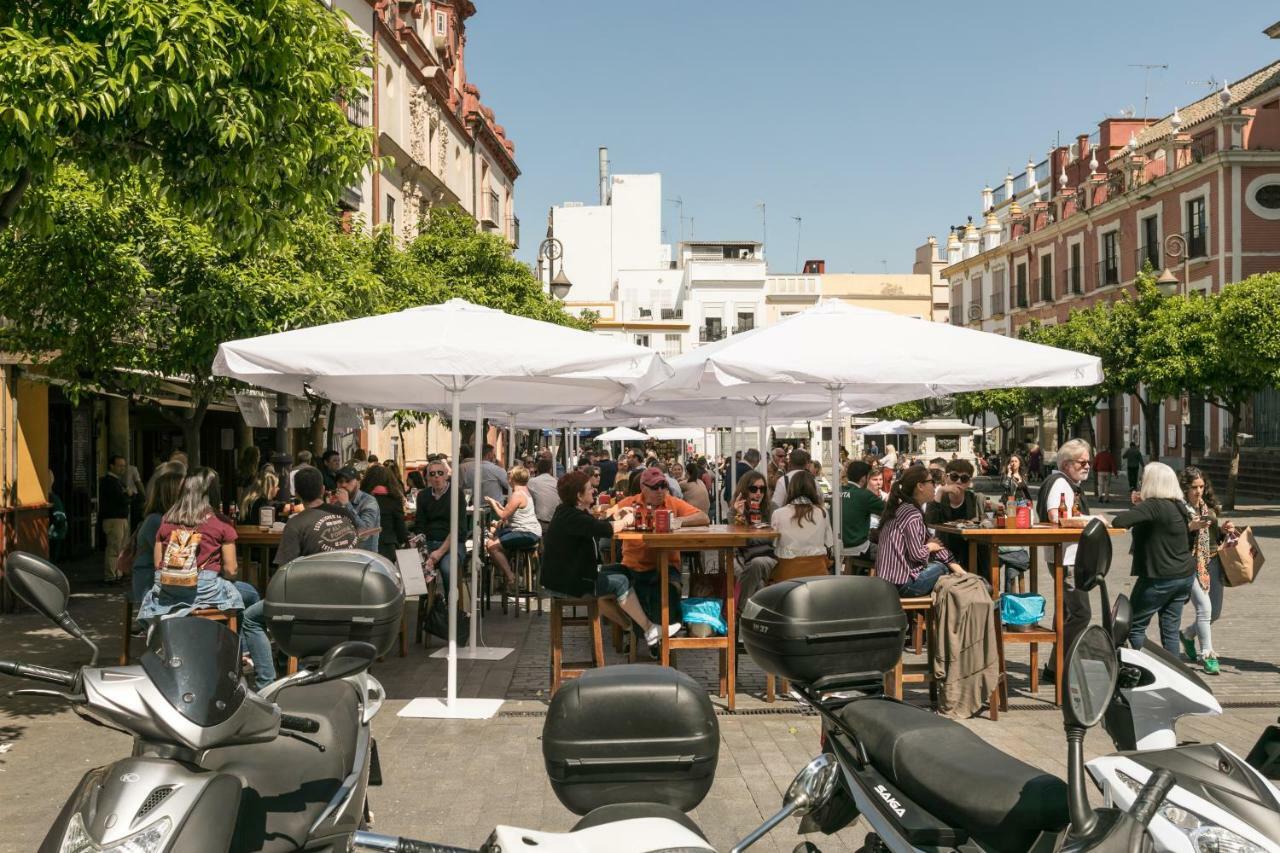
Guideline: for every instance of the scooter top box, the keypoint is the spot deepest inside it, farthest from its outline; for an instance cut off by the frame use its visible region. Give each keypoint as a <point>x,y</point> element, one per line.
<point>631,734</point>
<point>315,602</point>
<point>825,630</point>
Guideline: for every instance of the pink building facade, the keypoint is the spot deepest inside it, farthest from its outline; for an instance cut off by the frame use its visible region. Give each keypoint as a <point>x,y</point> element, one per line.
<point>1196,193</point>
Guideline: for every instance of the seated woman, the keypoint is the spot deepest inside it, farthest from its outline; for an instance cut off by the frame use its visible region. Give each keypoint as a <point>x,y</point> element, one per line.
<point>195,555</point>
<point>805,531</point>
<point>517,525</point>
<point>754,561</point>
<point>906,556</point>
<point>383,483</point>
<point>571,563</point>
<point>261,493</point>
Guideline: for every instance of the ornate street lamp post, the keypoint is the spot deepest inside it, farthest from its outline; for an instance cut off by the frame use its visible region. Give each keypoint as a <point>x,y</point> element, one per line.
<point>552,250</point>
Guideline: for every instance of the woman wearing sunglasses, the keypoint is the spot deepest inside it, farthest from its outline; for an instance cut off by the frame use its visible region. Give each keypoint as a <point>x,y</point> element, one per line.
<point>755,560</point>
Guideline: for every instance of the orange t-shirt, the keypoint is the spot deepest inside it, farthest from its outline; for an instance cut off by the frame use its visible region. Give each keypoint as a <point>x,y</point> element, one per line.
<point>635,555</point>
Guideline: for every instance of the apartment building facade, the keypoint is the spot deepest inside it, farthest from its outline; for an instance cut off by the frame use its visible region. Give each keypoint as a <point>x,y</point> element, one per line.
<point>445,145</point>
<point>1194,195</point>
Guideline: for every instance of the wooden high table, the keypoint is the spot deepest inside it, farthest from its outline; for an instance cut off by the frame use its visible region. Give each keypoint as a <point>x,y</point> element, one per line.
<point>263,544</point>
<point>723,538</point>
<point>1030,538</point>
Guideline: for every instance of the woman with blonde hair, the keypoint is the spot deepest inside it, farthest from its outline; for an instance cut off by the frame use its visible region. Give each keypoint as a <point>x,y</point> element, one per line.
<point>516,526</point>
<point>1162,560</point>
<point>262,493</point>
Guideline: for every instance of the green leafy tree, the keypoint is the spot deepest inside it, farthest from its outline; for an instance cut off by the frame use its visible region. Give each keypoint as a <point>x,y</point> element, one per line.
<point>910,411</point>
<point>227,109</point>
<point>1007,404</point>
<point>1123,328</point>
<point>124,294</point>
<point>1243,354</point>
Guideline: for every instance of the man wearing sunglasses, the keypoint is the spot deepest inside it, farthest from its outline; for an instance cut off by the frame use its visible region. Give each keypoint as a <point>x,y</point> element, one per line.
<point>641,562</point>
<point>1075,462</point>
<point>955,500</point>
<point>432,518</point>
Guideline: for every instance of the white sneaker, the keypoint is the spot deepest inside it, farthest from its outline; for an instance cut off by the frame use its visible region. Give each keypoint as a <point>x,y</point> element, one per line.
<point>652,635</point>
<point>674,628</point>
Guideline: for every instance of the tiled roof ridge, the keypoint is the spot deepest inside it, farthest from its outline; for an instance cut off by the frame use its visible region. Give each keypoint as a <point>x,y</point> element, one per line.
<point>1262,80</point>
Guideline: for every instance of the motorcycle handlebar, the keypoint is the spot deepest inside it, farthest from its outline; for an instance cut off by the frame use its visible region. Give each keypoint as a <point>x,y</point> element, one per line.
<point>38,673</point>
<point>1151,796</point>
<point>376,843</point>
<point>298,724</point>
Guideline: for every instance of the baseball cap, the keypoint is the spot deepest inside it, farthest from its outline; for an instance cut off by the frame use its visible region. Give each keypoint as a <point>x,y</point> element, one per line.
<point>345,474</point>
<point>652,477</point>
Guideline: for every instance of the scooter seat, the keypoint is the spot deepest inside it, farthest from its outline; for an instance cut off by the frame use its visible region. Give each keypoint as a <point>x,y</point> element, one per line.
<point>615,812</point>
<point>287,783</point>
<point>957,776</point>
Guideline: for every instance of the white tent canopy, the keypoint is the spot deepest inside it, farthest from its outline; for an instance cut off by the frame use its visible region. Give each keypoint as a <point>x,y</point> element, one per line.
<point>866,359</point>
<point>675,433</point>
<point>438,355</point>
<point>622,434</point>
<point>884,428</point>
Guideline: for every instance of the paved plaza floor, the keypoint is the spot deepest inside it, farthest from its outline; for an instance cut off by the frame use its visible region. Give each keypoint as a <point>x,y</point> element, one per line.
<point>451,781</point>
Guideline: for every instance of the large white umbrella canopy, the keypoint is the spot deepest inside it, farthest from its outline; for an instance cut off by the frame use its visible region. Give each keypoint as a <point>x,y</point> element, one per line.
<point>866,359</point>
<point>884,428</point>
<point>422,357</point>
<point>622,434</point>
<point>452,353</point>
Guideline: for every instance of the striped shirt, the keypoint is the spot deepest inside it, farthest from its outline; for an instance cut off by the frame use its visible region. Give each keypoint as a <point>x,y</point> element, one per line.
<point>902,551</point>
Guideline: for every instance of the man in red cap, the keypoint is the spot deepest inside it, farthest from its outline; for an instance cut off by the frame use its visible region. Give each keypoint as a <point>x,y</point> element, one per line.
<point>641,561</point>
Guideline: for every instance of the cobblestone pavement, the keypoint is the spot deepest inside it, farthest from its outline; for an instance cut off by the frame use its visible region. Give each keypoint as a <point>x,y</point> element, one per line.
<point>451,781</point>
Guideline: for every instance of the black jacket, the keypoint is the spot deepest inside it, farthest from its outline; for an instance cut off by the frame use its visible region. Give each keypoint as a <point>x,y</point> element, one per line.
<point>570,559</point>
<point>113,502</point>
<point>1160,549</point>
<point>394,533</point>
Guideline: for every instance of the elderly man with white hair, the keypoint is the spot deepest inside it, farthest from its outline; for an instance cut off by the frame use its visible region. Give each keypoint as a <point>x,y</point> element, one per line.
<point>1066,484</point>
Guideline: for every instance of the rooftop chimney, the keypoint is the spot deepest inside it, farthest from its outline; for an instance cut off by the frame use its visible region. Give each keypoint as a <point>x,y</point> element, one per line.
<point>604,175</point>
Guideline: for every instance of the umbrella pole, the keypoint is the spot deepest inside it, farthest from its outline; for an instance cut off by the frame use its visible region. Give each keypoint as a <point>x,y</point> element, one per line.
<point>764,441</point>
<point>477,528</point>
<point>511,443</point>
<point>733,462</point>
<point>835,478</point>
<point>455,489</point>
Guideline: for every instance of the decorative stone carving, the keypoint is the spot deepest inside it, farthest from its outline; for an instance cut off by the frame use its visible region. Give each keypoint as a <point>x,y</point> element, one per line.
<point>419,138</point>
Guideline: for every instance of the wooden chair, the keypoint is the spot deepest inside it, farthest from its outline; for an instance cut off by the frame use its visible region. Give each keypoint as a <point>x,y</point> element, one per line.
<point>918,611</point>
<point>560,668</point>
<point>860,565</point>
<point>791,568</point>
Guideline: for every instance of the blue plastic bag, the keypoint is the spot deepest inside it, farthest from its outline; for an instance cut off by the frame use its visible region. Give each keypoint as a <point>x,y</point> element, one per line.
<point>1021,608</point>
<point>705,610</point>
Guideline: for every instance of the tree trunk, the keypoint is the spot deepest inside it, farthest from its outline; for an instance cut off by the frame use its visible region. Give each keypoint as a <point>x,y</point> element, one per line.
<point>191,440</point>
<point>328,431</point>
<point>1151,414</point>
<point>1233,470</point>
<point>318,408</point>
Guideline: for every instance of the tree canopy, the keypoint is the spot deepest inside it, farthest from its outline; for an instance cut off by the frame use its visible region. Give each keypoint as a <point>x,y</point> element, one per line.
<point>229,110</point>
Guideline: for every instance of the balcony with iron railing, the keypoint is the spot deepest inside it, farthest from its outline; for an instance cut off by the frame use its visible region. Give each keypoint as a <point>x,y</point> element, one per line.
<point>492,212</point>
<point>997,303</point>
<point>957,315</point>
<point>514,224</point>
<point>358,110</point>
<point>1147,254</point>
<point>1020,296</point>
<point>1108,270</point>
<point>1042,289</point>
<point>709,334</point>
<point>1074,277</point>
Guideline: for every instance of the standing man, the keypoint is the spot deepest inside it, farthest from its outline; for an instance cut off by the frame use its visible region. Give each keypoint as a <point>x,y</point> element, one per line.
<point>361,507</point>
<point>1067,483</point>
<point>608,471</point>
<point>113,510</point>
<point>546,495</point>
<point>797,460</point>
<point>1104,465</point>
<point>748,461</point>
<point>1133,464</point>
<point>330,462</point>
<point>493,480</point>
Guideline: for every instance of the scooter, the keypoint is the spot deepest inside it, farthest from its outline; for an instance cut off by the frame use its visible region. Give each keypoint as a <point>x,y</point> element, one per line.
<point>1219,800</point>
<point>215,766</point>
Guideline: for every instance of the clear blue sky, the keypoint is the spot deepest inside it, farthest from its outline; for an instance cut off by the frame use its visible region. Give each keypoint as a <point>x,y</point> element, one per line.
<point>878,124</point>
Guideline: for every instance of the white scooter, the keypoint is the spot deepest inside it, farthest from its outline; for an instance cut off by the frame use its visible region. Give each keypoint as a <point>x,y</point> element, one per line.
<point>1219,802</point>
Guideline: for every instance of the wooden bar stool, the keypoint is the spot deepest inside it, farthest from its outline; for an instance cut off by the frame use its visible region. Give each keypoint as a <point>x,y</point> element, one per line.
<point>560,668</point>
<point>918,612</point>
<point>791,568</point>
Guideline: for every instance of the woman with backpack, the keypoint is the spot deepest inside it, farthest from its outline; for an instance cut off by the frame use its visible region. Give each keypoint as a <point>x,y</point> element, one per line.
<point>194,554</point>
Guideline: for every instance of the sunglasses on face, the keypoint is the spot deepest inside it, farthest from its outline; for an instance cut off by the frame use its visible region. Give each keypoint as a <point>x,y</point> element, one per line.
<point>658,487</point>
<point>1083,463</point>
<point>435,474</point>
<point>755,488</point>
<point>958,478</point>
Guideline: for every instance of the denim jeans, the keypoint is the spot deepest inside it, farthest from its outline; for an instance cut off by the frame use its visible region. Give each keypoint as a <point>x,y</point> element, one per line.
<point>923,583</point>
<point>445,565</point>
<point>1207,608</point>
<point>254,636</point>
<point>1166,596</point>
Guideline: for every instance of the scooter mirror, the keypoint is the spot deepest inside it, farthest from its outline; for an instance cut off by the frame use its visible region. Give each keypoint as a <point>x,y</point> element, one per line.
<point>1120,622</point>
<point>1093,555</point>
<point>346,659</point>
<point>812,787</point>
<point>1091,675</point>
<point>39,583</point>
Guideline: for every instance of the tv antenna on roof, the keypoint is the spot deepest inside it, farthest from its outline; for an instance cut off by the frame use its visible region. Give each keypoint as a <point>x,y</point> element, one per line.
<point>1212,84</point>
<point>1147,68</point>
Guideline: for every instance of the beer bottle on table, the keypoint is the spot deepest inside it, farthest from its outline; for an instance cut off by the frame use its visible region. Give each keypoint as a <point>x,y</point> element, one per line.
<point>1063,512</point>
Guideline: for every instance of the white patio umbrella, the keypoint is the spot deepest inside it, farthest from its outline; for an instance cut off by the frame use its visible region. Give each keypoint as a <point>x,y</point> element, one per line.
<point>884,428</point>
<point>866,359</point>
<point>437,355</point>
<point>622,434</point>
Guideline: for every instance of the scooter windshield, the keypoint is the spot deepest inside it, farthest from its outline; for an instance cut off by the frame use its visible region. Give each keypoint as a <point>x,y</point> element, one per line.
<point>195,663</point>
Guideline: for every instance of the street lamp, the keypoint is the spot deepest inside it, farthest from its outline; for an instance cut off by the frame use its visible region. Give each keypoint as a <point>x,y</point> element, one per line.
<point>1175,246</point>
<point>552,250</point>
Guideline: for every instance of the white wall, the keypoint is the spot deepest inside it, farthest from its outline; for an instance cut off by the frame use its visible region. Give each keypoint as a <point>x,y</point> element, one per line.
<point>637,221</point>
<point>586,234</point>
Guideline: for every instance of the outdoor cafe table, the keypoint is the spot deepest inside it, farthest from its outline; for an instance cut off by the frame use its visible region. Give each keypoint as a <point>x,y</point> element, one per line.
<point>1030,538</point>
<point>713,537</point>
<point>262,544</point>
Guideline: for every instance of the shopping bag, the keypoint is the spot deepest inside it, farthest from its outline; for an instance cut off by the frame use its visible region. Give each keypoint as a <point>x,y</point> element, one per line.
<point>1241,558</point>
<point>704,610</point>
<point>1021,608</point>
